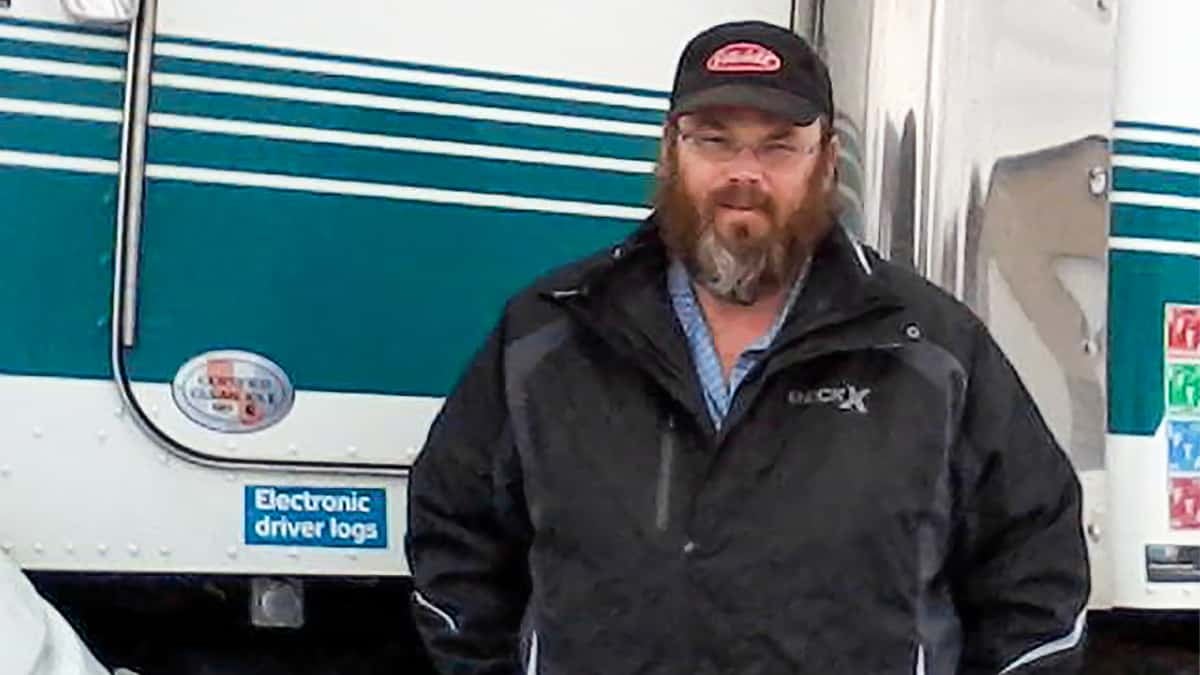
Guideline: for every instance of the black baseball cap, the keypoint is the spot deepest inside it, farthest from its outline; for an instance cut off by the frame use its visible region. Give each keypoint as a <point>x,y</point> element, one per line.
<point>753,64</point>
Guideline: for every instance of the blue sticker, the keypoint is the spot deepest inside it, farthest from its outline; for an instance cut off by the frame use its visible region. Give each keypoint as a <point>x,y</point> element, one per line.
<point>316,516</point>
<point>1183,438</point>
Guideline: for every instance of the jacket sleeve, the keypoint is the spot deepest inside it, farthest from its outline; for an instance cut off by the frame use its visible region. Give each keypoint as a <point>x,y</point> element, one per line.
<point>1020,569</point>
<point>467,536</point>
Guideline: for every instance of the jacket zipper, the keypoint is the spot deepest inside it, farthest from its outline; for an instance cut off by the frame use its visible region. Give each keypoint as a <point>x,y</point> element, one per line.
<point>666,465</point>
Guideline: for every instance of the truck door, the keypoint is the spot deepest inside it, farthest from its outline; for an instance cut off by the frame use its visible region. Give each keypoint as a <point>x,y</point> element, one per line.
<point>337,200</point>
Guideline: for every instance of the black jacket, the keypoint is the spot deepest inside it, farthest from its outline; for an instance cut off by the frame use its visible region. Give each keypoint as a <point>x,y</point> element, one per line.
<point>883,497</point>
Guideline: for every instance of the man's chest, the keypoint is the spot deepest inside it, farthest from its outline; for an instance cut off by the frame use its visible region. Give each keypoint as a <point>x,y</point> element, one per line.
<point>842,446</point>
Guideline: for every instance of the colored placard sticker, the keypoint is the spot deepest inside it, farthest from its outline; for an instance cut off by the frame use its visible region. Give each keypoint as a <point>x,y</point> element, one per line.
<point>1182,384</point>
<point>1183,331</point>
<point>1183,441</point>
<point>1185,503</point>
<point>316,516</point>
<point>1183,389</point>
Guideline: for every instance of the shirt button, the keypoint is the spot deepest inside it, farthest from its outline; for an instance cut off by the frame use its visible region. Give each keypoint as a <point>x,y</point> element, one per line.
<point>689,548</point>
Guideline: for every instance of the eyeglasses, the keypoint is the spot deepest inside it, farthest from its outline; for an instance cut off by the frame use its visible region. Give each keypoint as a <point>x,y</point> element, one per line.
<point>718,147</point>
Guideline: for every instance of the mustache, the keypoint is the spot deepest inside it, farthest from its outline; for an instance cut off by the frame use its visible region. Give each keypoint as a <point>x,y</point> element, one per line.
<point>742,196</point>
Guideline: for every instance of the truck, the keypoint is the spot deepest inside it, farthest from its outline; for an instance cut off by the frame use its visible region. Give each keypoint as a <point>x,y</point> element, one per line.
<point>249,246</point>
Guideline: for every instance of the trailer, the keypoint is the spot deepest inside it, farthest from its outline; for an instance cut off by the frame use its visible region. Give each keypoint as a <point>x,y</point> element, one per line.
<point>247,247</point>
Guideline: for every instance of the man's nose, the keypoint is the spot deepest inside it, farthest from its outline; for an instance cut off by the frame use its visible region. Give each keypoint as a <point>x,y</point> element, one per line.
<point>745,167</point>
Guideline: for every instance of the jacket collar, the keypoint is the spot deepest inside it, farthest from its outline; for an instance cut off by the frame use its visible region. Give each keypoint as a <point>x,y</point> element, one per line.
<point>845,282</point>
<point>842,279</point>
<point>622,296</point>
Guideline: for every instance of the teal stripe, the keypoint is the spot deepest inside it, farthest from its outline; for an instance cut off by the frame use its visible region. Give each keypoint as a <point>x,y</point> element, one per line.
<point>1152,222</point>
<point>62,53</point>
<point>1156,182</point>
<point>360,85</point>
<point>1121,147</point>
<point>320,160</point>
<point>115,31</point>
<point>1157,127</point>
<point>346,293</point>
<point>430,68</point>
<point>368,120</point>
<point>1140,284</point>
<point>53,135</point>
<point>55,89</point>
<point>55,250</point>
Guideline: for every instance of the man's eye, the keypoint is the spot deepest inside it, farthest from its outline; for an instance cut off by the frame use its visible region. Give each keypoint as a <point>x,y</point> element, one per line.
<point>779,148</point>
<point>713,141</point>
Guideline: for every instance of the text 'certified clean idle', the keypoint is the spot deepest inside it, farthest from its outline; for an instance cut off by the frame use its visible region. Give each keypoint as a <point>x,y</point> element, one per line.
<point>233,391</point>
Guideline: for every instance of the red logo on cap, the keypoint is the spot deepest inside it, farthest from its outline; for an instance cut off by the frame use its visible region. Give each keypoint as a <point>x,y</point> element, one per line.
<point>744,57</point>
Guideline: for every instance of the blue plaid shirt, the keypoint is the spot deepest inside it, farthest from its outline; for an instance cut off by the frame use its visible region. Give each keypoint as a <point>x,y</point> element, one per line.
<point>718,393</point>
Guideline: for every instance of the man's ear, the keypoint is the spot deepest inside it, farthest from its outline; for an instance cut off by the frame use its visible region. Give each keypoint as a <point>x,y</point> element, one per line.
<point>664,147</point>
<point>831,157</point>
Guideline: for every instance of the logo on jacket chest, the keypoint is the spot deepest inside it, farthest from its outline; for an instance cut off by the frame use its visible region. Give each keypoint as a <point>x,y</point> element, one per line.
<point>846,397</point>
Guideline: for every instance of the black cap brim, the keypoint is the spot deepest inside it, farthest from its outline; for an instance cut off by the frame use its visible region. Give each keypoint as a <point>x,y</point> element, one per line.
<point>768,99</point>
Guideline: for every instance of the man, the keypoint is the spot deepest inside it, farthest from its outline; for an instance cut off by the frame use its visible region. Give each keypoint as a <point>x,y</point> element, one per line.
<point>740,442</point>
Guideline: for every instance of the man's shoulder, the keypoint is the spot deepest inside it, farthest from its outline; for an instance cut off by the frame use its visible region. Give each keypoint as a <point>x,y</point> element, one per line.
<point>540,301</point>
<point>941,317</point>
<point>915,289</point>
<point>573,275</point>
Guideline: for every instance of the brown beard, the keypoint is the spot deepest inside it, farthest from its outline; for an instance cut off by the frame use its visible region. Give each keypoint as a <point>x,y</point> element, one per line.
<point>739,269</point>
